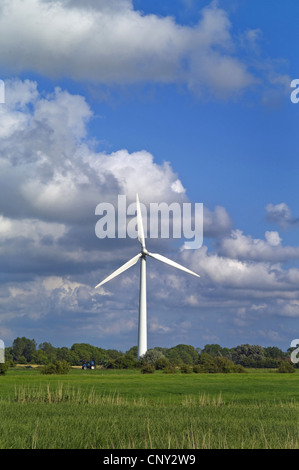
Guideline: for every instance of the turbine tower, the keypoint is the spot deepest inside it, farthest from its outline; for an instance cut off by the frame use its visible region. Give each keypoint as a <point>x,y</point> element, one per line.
<point>142,323</point>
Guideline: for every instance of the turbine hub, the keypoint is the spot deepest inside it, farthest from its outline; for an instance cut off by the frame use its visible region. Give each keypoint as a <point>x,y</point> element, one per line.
<point>144,251</point>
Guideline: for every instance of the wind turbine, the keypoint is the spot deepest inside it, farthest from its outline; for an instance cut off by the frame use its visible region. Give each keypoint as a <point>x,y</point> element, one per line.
<point>142,324</point>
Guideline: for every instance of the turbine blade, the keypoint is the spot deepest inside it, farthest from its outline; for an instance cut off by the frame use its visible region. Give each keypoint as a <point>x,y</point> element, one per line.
<point>171,263</point>
<point>139,223</point>
<point>120,270</point>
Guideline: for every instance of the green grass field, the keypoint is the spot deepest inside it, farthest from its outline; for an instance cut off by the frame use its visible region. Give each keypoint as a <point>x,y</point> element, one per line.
<point>128,410</point>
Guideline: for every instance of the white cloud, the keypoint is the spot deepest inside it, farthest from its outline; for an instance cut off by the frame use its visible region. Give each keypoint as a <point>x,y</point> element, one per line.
<point>177,187</point>
<point>50,172</point>
<point>156,327</point>
<point>273,238</point>
<point>246,274</point>
<point>281,215</point>
<point>52,179</point>
<point>240,246</point>
<point>29,228</point>
<point>114,325</point>
<point>289,308</point>
<point>110,42</point>
<point>216,222</point>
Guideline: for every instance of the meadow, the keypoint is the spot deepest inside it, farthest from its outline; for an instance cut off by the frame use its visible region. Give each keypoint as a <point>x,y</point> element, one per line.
<point>117,409</point>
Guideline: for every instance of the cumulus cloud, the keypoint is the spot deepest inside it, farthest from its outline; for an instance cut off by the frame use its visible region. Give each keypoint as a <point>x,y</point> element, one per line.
<point>51,182</point>
<point>233,273</point>
<point>240,246</point>
<point>110,42</point>
<point>281,214</point>
<point>52,179</point>
<point>51,172</point>
<point>289,308</point>
<point>217,222</point>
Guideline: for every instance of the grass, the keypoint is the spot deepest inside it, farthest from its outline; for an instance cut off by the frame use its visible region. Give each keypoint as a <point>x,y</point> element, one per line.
<point>128,410</point>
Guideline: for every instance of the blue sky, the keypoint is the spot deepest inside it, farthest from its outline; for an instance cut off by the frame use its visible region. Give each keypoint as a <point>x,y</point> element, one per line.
<point>99,95</point>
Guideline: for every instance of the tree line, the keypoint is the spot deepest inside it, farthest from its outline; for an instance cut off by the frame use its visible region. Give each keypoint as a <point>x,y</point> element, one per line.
<point>211,358</point>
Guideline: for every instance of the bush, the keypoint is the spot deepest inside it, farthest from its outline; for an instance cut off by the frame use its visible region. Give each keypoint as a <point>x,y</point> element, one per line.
<point>239,369</point>
<point>216,365</point>
<point>58,367</point>
<point>3,368</point>
<point>198,369</point>
<point>152,356</point>
<point>148,369</point>
<point>48,369</point>
<point>62,367</point>
<point>170,369</point>
<point>207,363</point>
<point>162,363</point>
<point>123,362</point>
<point>224,365</point>
<point>186,369</point>
<point>285,367</point>
<point>22,360</point>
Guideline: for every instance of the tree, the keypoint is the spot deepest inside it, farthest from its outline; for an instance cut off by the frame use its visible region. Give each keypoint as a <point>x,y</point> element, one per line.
<point>156,358</point>
<point>274,353</point>
<point>83,352</point>
<point>248,355</point>
<point>23,347</point>
<point>8,354</point>
<point>40,357</point>
<point>207,364</point>
<point>151,356</point>
<point>133,351</point>
<point>66,354</point>
<point>213,350</point>
<point>113,353</point>
<point>183,353</point>
<point>48,350</point>
<point>122,362</point>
